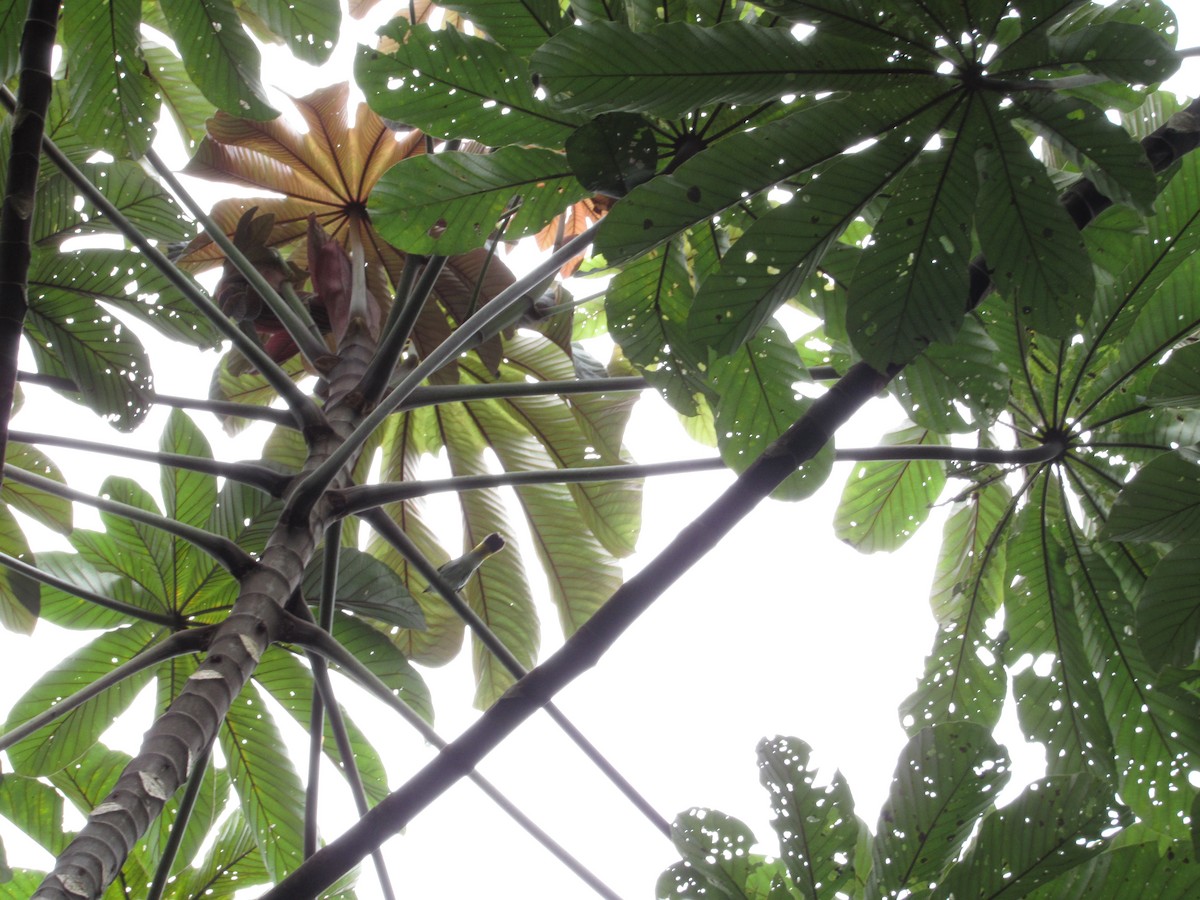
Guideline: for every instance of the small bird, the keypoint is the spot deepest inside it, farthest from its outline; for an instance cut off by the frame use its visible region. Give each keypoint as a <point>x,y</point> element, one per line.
<point>459,571</point>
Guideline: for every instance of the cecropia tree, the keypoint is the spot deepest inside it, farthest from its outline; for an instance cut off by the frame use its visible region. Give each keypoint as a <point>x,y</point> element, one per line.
<point>986,210</point>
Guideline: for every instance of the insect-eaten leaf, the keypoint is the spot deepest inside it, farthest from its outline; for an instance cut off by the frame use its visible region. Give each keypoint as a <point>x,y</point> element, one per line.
<point>613,153</point>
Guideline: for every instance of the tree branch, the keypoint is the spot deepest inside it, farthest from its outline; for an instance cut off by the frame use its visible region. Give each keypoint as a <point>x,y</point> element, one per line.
<point>20,191</point>
<point>267,480</point>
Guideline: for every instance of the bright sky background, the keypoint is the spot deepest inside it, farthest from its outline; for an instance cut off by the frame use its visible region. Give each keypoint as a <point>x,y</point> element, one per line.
<point>782,630</point>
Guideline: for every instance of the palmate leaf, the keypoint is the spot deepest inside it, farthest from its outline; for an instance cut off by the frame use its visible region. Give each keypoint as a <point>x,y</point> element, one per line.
<point>71,736</point>
<point>48,509</point>
<point>451,202</point>
<point>499,591</point>
<point>231,865</point>
<point>69,611</point>
<point>1126,871</point>
<point>884,503</point>
<point>181,99</point>
<point>909,288</point>
<point>1168,614</point>
<point>1034,251</point>
<point>34,807</point>
<point>455,85</point>
<point>969,373</point>
<point>310,28</point>
<point>62,214</point>
<point>817,828</point>
<point>270,792</point>
<point>1056,825</point>
<point>329,171</point>
<point>1063,708</point>
<point>1176,382</point>
<point>701,187</point>
<point>378,653</point>
<point>784,246</point>
<point>676,67</point>
<point>520,25</point>
<point>757,403</point>
<point>1120,51</point>
<point>894,27</point>
<point>366,587</point>
<point>717,861</point>
<point>290,684</point>
<point>1155,728</point>
<point>113,103</point>
<point>1105,152</point>
<point>646,307</point>
<point>405,438</point>
<point>946,776</point>
<point>1161,503</point>
<point>972,559</point>
<point>219,56</point>
<point>20,597</point>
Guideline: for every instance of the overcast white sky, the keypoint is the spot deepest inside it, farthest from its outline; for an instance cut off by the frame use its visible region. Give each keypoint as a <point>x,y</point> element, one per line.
<point>783,630</point>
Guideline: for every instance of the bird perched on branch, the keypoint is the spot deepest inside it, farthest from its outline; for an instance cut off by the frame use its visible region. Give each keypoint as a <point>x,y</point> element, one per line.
<point>459,571</point>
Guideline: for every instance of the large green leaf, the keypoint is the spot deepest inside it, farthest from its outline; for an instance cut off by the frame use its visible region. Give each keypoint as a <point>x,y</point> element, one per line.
<point>1172,870</point>
<point>1055,825</point>
<point>886,26</point>
<point>884,503</point>
<point>187,106</point>
<point>758,403</point>
<point>520,25</point>
<point>70,736</point>
<point>113,103</point>
<point>911,284</point>
<point>1168,611</point>
<point>231,865</point>
<point>310,28</point>
<point>12,26</point>
<point>499,592</point>
<point>61,213</point>
<point>1177,381</point>
<point>702,187</point>
<point>717,860</point>
<point>35,808</point>
<point>783,247</point>
<point>450,202</point>
<point>68,611</point>
<point>971,562</point>
<point>946,776</point>
<point>366,587</point>
<point>48,509</point>
<point>946,379</point>
<point>455,85</point>
<point>291,685</point>
<point>1120,51</point>
<point>816,825</point>
<point>675,68</point>
<point>271,795</point>
<point>1034,251</point>
<point>375,651</point>
<point>646,306</point>
<point>219,56</point>
<point>1104,151</point>
<point>1162,503</point>
<point>188,496</point>
<point>20,596</point>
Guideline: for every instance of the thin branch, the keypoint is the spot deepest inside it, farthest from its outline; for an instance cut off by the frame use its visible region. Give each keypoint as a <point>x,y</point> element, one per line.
<point>434,394</point>
<point>219,407</point>
<point>394,535</point>
<point>582,650</point>
<point>305,412</point>
<point>358,498</point>
<point>136,612</point>
<point>179,643</point>
<point>20,190</point>
<point>300,330</point>
<point>323,695</point>
<point>307,634</point>
<point>266,480</point>
<point>223,550</point>
<point>187,803</point>
<point>491,316</point>
<point>400,326</point>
